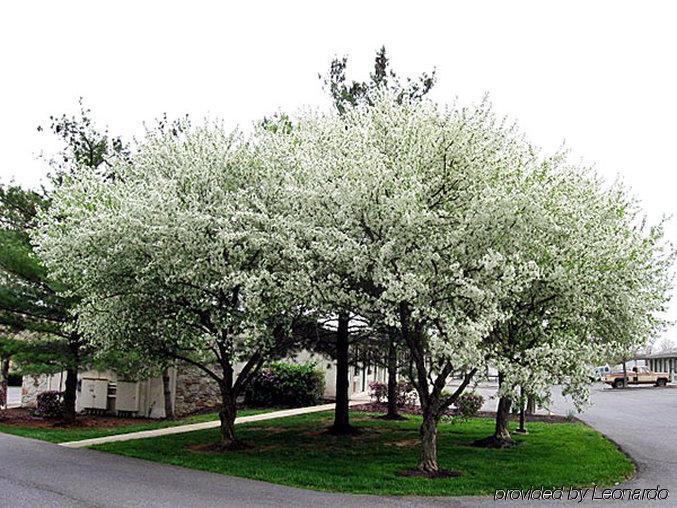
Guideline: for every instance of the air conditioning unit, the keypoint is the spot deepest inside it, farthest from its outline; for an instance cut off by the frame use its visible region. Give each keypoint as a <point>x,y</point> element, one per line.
<point>94,394</point>
<point>127,397</point>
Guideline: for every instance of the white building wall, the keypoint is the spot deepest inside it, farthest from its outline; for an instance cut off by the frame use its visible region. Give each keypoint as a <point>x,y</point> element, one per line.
<point>151,391</point>
<point>667,364</point>
<point>198,391</point>
<point>360,375</point>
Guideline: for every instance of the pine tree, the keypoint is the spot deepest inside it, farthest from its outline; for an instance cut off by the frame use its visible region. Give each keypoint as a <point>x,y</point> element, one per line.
<point>34,307</point>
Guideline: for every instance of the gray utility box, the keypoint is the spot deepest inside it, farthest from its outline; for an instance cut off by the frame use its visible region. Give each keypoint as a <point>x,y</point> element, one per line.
<point>127,397</point>
<point>94,393</point>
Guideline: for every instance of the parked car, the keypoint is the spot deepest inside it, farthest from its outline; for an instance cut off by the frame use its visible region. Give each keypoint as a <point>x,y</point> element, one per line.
<point>637,376</point>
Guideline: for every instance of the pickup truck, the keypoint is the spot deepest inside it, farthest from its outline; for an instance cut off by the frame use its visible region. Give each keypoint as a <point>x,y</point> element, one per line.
<point>637,376</point>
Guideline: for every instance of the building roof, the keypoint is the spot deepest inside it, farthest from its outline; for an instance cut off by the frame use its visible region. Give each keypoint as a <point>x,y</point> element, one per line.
<point>670,353</point>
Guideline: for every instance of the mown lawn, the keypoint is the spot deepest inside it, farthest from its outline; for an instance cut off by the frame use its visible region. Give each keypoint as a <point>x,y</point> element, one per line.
<point>294,451</point>
<point>64,434</point>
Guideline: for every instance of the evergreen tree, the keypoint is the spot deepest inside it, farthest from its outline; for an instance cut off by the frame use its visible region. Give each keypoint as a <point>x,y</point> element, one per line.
<point>31,301</point>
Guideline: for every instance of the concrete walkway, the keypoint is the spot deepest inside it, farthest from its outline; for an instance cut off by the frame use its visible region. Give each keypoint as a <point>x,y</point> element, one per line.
<point>201,426</point>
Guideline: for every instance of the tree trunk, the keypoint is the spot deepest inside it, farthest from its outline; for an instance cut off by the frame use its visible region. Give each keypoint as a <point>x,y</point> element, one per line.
<point>167,390</point>
<point>501,437</point>
<point>428,432</point>
<point>502,416</point>
<point>227,417</point>
<point>531,405</point>
<point>625,373</point>
<point>69,395</point>
<point>393,413</point>
<point>71,389</point>
<point>341,412</point>
<point>4,378</point>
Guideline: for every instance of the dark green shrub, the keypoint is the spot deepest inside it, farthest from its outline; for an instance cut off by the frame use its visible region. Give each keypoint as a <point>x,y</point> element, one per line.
<point>468,405</point>
<point>284,384</point>
<point>50,404</point>
<point>378,392</point>
<point>406,394</point>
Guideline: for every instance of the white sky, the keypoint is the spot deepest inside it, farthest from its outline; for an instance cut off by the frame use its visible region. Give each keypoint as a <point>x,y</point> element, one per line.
<point>599,75</point>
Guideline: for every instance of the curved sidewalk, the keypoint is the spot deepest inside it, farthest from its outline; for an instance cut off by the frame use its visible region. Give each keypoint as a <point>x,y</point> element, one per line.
<point>180,429</point>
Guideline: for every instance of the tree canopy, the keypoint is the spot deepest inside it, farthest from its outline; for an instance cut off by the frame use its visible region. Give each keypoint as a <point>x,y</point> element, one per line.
<point>449,227</point>
<point>182,256</point>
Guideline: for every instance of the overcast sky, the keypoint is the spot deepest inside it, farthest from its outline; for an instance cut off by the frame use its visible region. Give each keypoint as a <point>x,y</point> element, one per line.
<point>599,76</point>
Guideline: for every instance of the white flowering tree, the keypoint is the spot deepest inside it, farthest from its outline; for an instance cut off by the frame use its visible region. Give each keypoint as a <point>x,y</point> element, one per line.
<point>447,226</point>
<point>408,213</point>
<point>182,256</point>
<point>603,280</point>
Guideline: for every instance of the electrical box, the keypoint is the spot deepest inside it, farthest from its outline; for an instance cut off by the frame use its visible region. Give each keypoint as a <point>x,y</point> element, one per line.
<point>127,397</point>
<point>94,394</point>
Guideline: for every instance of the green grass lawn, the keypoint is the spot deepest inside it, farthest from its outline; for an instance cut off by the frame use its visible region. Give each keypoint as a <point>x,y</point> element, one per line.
<point>295,451</point>
<point>62,435</point>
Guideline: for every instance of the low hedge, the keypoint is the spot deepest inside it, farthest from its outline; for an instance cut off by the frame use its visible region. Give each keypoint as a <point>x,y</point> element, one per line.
<point>469,405</point>
<point>283,384</point>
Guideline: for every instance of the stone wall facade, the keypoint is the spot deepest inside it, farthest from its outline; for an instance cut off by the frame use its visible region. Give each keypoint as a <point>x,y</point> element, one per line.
<point>195,391</point>
<point>31,386</point>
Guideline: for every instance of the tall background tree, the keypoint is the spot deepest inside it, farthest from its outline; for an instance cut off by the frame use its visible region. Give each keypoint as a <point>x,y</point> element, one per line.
<point>348,94</point>
<point>31,301</point>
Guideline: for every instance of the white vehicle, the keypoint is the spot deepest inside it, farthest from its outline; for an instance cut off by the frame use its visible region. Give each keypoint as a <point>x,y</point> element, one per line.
<point>598,373</point>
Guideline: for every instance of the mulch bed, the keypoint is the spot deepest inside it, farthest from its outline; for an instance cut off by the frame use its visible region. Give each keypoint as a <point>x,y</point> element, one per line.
<point>22,417</point>
<point>442,473</point>
<point>533,418</point>
<point>374,407</point>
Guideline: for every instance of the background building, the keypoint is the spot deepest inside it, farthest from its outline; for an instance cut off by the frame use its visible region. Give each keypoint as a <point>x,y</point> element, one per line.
<point>191,389</point>
<point>665,361</point>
